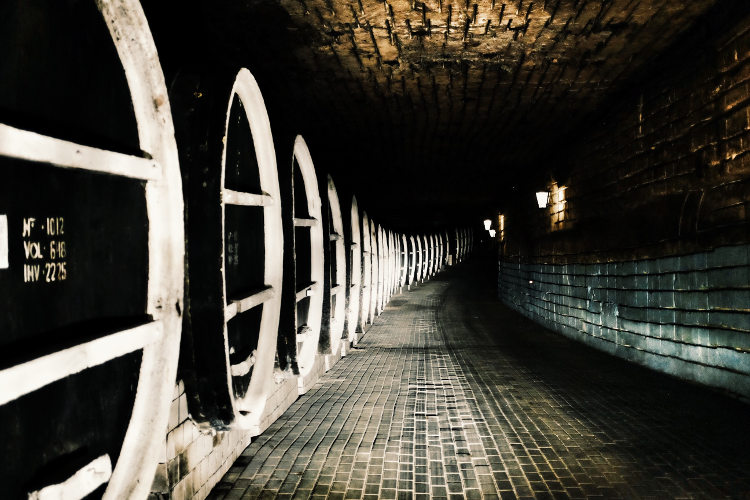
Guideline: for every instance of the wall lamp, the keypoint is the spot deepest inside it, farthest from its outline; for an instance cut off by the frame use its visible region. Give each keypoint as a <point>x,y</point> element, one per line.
<point>492,233</point>
<point>487,224</point>
<point>542,198</point>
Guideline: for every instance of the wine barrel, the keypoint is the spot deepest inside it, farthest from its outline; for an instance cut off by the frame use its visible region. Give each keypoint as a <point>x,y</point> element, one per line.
<point>459,245</point>
<point>386,264</point>
<point>391,265</point>
<point>355,274</point>
<point>234,237</point>
<point>382,249</point>
<point>396,262</point>
<point>388,288</point>
<point>441,248</point>
<point>420,255</point>
<point>448,248</point>
<point>308,258</point>
<point>433,254</point>
<point>374,268</point>
<point>403,279</point>
<point>425,257</point>
<point>92,292</point>
<point>337,270</point>
<point>412,257</point>
<point>366,289</point>
<point>440,251</point>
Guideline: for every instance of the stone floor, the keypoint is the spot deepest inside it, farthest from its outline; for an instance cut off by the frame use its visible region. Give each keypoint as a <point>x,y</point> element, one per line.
<point>451,395</point>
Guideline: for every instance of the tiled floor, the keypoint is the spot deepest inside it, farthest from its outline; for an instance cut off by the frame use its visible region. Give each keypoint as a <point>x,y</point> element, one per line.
<point>451,395</point>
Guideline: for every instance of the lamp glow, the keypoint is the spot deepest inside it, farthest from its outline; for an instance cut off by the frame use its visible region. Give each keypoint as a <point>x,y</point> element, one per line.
<point>487,224</point>
<point>542,198</point>
<point>492,233</point>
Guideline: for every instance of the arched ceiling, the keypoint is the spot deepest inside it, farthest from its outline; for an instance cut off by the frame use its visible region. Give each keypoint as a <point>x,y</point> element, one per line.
<point>432,109</point>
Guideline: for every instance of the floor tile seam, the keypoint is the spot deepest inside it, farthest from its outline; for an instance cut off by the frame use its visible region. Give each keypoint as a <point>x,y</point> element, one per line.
<point>479,375</point>
<point>338,465</point>
<point>287,441</point>
<point>460,366</point>
<point>303,409</point>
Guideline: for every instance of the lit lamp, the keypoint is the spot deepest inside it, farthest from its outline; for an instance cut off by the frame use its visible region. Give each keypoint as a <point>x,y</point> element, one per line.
<point>542,198</point>
<point>487,224</point>
<point>492,233</point>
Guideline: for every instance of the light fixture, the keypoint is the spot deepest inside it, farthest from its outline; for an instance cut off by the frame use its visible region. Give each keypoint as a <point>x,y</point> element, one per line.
<point>487,224</point>
<point>542,198</point>
<point>492,233</point>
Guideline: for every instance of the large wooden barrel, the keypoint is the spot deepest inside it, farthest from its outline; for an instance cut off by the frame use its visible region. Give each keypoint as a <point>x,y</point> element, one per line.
<point>388,266</point>
<point>382,249</point>
<point>374,252</point>
<point>92,293</point>
<point>309,258</point>
<point>412,258</point>
<point>234,241</point>
<point>448,248</point>
<point>396,262</point>
<point>433,254</point>
<point>391,265</point>
<point>420,259</point>
<point>364,313</point>
<point>425,257</point>
<point>459,245</point>
<point>336,270</point>
<point>403,274</point>
<point>441,249</point>
<point>387,290</point>
<point>355,273</point>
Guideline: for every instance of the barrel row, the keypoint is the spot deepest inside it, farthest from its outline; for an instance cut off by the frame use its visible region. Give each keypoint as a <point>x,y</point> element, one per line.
<point>160,239</point>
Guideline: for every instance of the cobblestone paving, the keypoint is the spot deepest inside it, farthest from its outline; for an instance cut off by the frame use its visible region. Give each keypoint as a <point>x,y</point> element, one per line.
<point>451,395</point>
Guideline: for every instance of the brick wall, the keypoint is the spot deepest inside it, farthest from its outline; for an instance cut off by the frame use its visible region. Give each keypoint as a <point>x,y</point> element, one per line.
<point>688,315</point>
<point>643,248</point>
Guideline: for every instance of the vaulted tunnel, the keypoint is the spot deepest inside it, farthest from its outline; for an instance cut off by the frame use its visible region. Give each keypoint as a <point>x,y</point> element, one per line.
<point>375,249</point>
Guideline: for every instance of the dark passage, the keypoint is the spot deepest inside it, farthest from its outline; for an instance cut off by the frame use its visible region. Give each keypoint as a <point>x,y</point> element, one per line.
<point>451,394</point>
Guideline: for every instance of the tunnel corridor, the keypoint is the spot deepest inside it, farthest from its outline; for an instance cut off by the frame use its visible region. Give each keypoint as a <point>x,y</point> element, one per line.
<point>374,249</point>
<point>451,395</point>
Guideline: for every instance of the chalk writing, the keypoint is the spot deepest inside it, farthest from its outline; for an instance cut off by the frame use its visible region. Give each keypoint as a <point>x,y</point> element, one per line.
<point>44,257</point>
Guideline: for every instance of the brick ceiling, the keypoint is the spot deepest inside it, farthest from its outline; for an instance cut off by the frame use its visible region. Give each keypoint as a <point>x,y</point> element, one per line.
<point>432,108</point>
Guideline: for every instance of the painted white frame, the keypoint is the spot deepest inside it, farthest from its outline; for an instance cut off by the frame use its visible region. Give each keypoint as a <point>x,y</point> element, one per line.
<point>307,344</point>
<point>404,269</point>
<point>338,289</point>
<point>355,272</point>
<point>158,339</point>
<point>374,253</point>
<point>248,409</point>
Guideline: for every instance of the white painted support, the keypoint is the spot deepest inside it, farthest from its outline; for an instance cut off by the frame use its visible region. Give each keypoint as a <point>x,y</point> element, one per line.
<point>308,291</point>
<point>27,377</point>
<point>312,217</point>
<point>335,237</point>
<point>366,273</point>
<point>236,307</point>
<point>80,484</point>
<point>305,222</point>
<point>4,242</point>
<point>249,407</point>
<point>231,197</point>
<point>243,368</point>
<point>25,145</point>
<point>337,289</point>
